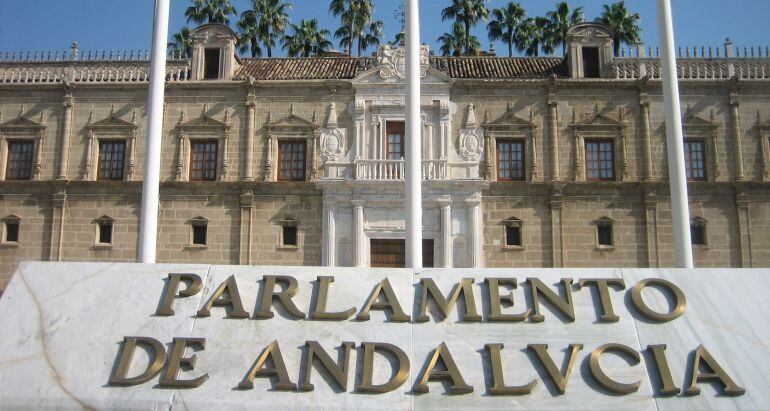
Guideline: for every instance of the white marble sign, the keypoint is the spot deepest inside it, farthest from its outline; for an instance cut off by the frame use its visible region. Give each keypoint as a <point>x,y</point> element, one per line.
<point>65,329</point>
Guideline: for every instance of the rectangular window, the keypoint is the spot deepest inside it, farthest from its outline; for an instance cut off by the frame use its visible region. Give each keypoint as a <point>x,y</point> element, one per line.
<point>604,234</point>
<point>698,234</point>
<point>105,232</point>
<point>211,64</point>
<point>289,235</point>
<point>19,160</point>
<point>591,68</point>
<point>395,131</point>
<point>111,155</point>
<point>199,234</point>
<point>291,159</point>
<point>11,232</point>
<point>600,161</point>
<point>203,160</point>
<point>513,236</point>
<point>694,159</point>
<point>510,160</point>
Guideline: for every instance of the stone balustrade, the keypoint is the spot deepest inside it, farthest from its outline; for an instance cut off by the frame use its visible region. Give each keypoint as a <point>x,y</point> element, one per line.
<point>395,170</point>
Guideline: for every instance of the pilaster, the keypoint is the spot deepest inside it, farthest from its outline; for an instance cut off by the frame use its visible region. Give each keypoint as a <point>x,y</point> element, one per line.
<point>68,105</point>
<point>553,129</point>
<point>247,227</point>
<point>475,236</point>
<point>557,239</point>
<point>651,229</point>
<point>58,210</point>
<point>359,237</point>
<point>744,227</point>
<point>445,204</point>
<point>329,257</point>
<point>737,139</point>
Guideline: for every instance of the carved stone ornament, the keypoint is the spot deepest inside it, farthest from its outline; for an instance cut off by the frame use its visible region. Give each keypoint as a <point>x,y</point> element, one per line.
<point>393,61</point>
<point>470,143</point>
<point>332,141</point>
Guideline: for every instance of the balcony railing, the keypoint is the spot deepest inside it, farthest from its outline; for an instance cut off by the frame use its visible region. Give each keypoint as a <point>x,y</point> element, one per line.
<point>87,67</point>
<point>704,63</point>
<point>384,170</point>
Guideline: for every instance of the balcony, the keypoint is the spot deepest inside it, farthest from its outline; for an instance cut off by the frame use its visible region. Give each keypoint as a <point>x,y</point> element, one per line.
<point>395,170</point>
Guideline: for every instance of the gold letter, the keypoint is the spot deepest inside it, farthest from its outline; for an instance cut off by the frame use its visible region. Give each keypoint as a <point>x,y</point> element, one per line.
<point>452,373</point>
<point>563,305</point>
<point>319,311</point>
<point>170,376</point>
<point>383,289</point>
<point>366,375</point>
<point>602,378</point>
<point>126,354</point>
<point>498,382</point>
<point>636,299</point>
<point>429,288</point>
<point>664,372</point>
<point>717,373</point>
<point>603,286</point>
<point>268,294</point>
<point>279,369</point>
<point>169,293</point>
<point>496,301</point>
<point>559,378</point>
<point>233,300</point>
<point>338,372</point>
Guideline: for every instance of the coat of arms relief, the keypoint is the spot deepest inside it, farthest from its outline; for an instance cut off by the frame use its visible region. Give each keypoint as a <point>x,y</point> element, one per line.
<point>392,60</point>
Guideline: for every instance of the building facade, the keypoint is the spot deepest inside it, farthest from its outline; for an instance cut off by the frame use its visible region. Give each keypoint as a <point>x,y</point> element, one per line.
<point>527,162</point>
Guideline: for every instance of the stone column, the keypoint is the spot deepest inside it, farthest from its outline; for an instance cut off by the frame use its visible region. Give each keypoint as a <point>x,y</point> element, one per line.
<point>330,235</point>
<point>475,236</point>
<point>248,174</point>
<point>557,241</point>
<point>247,227</point>
<point>744,228</point>
<point>58,210</point>
<point>359,238</point>
<point>445,203</point>
<point>737,143</point>
<point>644,105</point>
<point>65,136</point>
<point>553,119</point>
<point>651,224</point>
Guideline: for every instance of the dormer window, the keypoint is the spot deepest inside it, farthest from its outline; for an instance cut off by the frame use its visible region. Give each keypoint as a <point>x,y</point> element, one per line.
<point>211,63</point>
<point>591,67</point>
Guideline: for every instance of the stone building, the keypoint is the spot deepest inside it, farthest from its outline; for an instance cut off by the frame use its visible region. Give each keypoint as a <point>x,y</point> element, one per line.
<point>528,162</point>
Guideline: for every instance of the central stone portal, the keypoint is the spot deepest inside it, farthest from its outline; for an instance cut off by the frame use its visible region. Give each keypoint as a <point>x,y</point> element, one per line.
<point>391,253</point>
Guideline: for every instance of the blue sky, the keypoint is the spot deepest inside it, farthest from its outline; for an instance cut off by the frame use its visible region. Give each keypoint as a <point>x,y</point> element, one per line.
<point>127,24</point>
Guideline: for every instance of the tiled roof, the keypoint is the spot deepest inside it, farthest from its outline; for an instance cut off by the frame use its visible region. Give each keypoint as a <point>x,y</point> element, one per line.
<point>308,68</point>
<point>345,68</point>
<point>501,67</point>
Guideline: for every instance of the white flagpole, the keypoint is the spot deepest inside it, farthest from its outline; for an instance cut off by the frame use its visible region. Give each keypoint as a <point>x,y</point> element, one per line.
<point>413,138</point>
<point>148,224</point>
<point>674,139</point>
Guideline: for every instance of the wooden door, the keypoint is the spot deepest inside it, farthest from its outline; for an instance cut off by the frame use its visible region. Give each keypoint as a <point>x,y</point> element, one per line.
<point>391,253</point>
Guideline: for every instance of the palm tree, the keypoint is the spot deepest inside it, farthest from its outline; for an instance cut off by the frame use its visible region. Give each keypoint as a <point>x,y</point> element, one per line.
<point>458,42</point>
<point>306,39</point>
<point>356,18</point>
<point>264,23</point>
<point>532,36</point>
<point>467,12</point>
<point>182,43</point>
<point>560,21</point>
<point>505,23</point>
<point>249,35</point>
<point>625,27</point>
<point>210,11</point>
